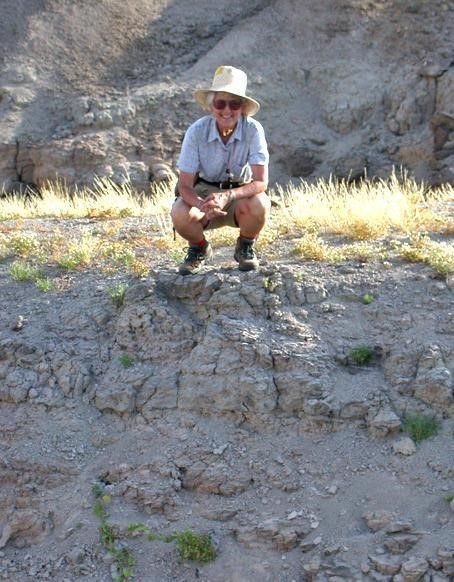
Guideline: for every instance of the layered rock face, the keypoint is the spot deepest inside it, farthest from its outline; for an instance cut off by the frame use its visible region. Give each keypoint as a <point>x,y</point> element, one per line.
<point>347,89</point>
<point>229,403</point>
<point>257,348</point>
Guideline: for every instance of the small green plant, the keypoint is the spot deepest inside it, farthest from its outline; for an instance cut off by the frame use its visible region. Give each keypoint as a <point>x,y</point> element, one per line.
<point>420,426</point>
<point>117,294</point>
<point>119,253</point>
<point>367,298</point>
<point>139,268</point>
<point>78,254</point>
<point>123,557</point>
<point>361,355</point>
<point>125,212</point>
<point>197,547</point>
<point>70,262</point>
<point>138,528</point>
<point>269,284</point>
<point>24,245</point>
<point>449,497</point>
<point>191,546</point>
<point>21,271</point>
<point>126,360</point>
<point>438,255</point>
<point>97,490</point>
<point>44,284</point>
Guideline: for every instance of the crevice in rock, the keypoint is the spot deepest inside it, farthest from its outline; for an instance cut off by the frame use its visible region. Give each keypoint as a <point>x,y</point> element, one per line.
<point>16,158</point>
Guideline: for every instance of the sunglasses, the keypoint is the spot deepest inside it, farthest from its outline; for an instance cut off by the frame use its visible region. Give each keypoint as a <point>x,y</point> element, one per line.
<point>234,105</point>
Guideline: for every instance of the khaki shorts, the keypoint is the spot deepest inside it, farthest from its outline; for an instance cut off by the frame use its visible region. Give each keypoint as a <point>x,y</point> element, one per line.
<point>203,190</point>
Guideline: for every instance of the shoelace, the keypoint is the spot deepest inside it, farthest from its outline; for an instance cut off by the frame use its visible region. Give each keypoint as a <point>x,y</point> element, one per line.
<point>194,254</point>
<point>247,251</point>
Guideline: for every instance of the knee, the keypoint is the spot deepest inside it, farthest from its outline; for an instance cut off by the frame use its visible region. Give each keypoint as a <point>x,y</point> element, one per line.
<point>257,206</point>
<point>179,212</point>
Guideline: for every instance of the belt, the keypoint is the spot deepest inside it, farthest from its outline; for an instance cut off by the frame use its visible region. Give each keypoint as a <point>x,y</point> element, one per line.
<point>226,185</point>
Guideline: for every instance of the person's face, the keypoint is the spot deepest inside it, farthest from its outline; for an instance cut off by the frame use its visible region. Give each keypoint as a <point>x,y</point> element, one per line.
<point>225,110</point>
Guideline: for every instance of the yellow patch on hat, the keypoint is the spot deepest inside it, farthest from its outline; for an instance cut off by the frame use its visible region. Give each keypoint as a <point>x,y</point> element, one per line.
<point>219,70</point>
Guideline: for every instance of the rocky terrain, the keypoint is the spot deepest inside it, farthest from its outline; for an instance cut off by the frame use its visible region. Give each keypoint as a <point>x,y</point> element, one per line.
<point>230,404</point>
<point>105,88</point>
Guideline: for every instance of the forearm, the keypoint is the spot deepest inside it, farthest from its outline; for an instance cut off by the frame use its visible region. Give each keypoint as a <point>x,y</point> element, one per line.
<point>190,197</point>
<point>249,190</point>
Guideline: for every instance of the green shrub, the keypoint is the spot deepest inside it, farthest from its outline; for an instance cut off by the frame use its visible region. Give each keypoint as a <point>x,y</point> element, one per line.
<point>192,546</point>
<point>421,427</point>
<point>361,355</point>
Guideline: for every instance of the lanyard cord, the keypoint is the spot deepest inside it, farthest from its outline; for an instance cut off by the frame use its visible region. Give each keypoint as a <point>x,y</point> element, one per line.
<point>228,160</point>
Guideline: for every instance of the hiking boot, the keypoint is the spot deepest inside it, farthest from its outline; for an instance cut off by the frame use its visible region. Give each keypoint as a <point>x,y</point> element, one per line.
<point>195,258</point>
<point>245,255</point>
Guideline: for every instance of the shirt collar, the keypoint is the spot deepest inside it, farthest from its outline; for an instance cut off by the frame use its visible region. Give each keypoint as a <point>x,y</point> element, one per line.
<point>213,133</point>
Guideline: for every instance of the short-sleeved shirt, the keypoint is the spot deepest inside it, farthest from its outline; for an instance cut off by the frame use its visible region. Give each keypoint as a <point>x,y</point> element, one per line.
<point>203,151</point>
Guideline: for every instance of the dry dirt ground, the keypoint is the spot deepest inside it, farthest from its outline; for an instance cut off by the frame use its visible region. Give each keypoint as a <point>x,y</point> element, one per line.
<point>241,416</point>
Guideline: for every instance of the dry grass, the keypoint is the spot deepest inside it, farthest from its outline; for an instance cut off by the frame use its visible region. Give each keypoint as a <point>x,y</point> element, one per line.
<point>104,200</point>
<point>368,210</point>
<point>326,221</point>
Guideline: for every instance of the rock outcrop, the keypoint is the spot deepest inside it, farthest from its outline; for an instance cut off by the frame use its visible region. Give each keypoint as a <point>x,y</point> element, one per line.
<point>229,403</point>
<point>347,89</point>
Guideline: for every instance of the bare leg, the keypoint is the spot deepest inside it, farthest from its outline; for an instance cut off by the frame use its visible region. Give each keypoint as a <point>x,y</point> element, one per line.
<point>251,214</point>
<point>188,228</point>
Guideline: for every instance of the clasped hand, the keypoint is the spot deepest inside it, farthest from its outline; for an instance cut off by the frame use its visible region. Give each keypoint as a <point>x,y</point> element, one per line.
<point>214,204</point>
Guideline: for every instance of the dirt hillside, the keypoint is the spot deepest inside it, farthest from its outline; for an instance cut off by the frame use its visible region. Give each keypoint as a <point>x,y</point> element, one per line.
<point>105,88</point>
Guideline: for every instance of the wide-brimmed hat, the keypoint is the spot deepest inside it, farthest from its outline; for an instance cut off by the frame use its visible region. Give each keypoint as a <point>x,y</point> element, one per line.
<point>228,79</point>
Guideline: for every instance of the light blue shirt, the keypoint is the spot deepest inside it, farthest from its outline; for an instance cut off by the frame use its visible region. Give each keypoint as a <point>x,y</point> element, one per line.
<point>203,151</point>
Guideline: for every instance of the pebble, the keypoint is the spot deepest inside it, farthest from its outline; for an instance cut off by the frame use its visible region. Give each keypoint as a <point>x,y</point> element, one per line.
<point>404,446</point>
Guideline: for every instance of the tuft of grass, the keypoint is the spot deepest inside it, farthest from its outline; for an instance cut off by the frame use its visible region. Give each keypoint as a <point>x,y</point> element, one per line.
<point>361,355</point>
<point>119,252</point>
<point>138,528</point>
<point>105,199</point>
<point>79,254</point>
<point>363,213</point>
<point>438,255</point>
<point>449,497</point>
<point>43,284</point>
<point>311,247</point>
<point>126,360</point>
<point>117,293</point>
<point>139,269</point>
<point>269,284</point>
<point>22,271</point>
<point>364,251</point>
<point>421,427</point>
